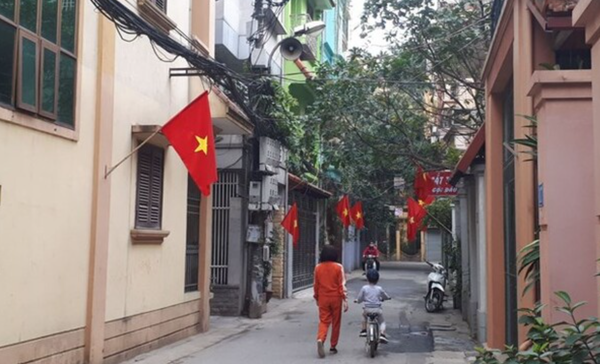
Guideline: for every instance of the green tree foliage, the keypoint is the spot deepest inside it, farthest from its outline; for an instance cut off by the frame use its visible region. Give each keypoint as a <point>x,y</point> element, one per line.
<point>372,116</point>
<point>443,42</point>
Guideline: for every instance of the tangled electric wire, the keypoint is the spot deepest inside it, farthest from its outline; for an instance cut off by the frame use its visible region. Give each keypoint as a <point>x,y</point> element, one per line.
<point>240,89</point>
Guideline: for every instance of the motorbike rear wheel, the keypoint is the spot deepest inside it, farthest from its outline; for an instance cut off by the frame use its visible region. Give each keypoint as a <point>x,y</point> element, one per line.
<point>434,300</point>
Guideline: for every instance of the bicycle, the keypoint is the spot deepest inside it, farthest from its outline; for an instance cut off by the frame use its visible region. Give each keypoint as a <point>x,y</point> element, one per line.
<point>372,339</point>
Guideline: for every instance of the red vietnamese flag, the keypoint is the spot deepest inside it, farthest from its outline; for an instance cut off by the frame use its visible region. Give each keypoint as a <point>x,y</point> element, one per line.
<point>357,215</point>
<point>422,212</point>
<point>423,184</point>
<point>190,132</point>
<point>428,201</point>
<point>416,213</point>
<point>290,224</point>
<point>343,210</point>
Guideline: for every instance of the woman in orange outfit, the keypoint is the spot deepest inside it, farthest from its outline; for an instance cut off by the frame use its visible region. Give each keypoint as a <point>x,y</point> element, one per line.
<point>330,294</point>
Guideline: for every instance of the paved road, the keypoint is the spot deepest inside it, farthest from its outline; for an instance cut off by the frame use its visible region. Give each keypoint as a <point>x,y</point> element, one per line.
<point>287,334</point>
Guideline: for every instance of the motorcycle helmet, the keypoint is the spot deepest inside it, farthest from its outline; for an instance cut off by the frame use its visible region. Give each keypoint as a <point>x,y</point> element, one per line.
<point>373,276</point>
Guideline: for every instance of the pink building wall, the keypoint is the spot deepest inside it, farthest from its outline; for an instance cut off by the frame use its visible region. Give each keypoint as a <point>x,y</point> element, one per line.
<point>566,170</point>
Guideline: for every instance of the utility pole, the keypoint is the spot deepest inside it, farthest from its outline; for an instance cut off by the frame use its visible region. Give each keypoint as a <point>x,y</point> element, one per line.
<point>257,36</point>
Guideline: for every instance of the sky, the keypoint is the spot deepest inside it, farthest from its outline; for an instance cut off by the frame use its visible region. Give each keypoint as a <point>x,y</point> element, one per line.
<point>374,42</point>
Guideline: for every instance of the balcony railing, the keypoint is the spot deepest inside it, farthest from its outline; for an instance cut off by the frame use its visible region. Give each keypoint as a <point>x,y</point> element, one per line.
<point>495,15</point>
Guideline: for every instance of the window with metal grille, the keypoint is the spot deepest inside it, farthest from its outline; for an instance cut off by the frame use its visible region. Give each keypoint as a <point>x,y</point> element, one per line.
<point>148,207</point>
<point>192,247</point>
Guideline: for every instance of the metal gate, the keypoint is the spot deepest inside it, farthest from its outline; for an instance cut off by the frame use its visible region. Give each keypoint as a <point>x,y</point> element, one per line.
<point>192,248</point>
<point>304,255</point>
<point>226,188</point>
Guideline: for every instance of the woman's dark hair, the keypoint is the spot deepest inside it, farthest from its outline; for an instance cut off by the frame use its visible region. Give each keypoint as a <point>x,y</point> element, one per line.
<point>328,254</point>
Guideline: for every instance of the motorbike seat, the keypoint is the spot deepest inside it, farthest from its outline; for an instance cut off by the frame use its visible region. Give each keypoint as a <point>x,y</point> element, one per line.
<point>373,315</point>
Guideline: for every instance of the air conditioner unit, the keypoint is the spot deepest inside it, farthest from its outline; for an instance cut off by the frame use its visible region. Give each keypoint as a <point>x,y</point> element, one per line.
<point>269,155</point>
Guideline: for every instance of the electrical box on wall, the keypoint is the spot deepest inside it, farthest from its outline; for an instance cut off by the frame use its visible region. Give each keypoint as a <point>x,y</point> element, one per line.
<point>269,155</point>
<point>254,195</point>
<point>266,253</point>
<point>283,157</point>
<point>270,191</point>
<point>269,232</point>
<point>253,234</point>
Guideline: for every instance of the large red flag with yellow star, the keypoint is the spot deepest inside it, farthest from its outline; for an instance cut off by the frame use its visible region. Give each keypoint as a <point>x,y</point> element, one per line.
<point>416,213</point>
<point>190,132</point>
<point>290,223</point>
<point>357,215</point>
<point>423,185</point>
<point>343,210</point>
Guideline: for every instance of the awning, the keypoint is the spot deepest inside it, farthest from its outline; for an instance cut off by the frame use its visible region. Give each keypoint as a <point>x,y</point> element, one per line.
<point>474,150</point>
<point>227,116</point>
<point>298,184</point>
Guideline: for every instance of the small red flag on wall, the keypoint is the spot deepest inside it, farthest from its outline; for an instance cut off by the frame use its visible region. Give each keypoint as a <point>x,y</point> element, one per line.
<point>343,210</point>
<point>290,223</point>
<point>357,215</point>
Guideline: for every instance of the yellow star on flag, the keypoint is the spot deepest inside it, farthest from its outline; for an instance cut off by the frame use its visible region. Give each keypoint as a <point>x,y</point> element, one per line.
<point>345,212</point>
<point>358,216</point>
<point>411,220</point>
<point>295,224</point>
<point>202,145</point>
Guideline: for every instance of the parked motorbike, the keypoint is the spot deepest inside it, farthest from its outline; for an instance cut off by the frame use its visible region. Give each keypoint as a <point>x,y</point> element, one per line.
<point>436,287</point>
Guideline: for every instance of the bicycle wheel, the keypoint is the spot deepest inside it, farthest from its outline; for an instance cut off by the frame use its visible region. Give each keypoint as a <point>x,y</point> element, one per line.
<point>373,348</point>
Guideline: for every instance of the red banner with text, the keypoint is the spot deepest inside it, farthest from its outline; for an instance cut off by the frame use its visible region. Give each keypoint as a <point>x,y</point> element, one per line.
<point>441,184</point>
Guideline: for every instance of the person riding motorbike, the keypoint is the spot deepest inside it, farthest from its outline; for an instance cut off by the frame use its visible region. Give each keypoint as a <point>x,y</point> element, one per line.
<point>372,250</point>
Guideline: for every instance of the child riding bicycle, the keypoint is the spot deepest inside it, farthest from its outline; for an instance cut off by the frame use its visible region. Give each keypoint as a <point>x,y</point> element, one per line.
<point>372,297</point>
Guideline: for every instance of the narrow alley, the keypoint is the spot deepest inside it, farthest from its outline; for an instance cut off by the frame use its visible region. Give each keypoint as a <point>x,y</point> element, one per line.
<point>287,332</point>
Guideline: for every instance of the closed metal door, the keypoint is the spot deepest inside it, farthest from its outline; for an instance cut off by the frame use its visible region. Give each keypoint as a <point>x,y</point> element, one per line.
<point>304,255</point>
<point>226,188</point>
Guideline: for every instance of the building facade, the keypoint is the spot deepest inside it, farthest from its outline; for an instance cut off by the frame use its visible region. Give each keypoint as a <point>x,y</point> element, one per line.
<point>102,266</point>
<point>470,209</point>
<point>552,198</point>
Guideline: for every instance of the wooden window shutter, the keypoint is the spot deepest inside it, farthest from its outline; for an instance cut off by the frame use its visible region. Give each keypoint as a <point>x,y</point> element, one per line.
<point>149,187</point>
<point>161,4</point>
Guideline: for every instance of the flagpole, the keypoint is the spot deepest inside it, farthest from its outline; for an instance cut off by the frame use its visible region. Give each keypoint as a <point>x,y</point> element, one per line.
<point>439,222</point>
<point>108,171</point>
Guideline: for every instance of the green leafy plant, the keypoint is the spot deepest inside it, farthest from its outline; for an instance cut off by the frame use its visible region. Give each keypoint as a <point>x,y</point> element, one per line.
<point>530,141</point>
<point>452,252</point>
<point>529,262</point>
<point>571,341</point>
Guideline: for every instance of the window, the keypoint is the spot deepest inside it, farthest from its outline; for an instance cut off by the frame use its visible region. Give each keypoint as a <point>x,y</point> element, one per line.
<point>161,4</point>
<point>148,206</point>
<point>155,12</point>
<point>37,57</point>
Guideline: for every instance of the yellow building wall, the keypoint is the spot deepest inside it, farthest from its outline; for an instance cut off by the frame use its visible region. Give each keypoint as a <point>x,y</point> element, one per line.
<point>143,278</point>
<point>45,212</point>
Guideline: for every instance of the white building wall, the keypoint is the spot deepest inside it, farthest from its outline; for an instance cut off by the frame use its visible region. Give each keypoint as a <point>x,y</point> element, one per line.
<point>234,25</point>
